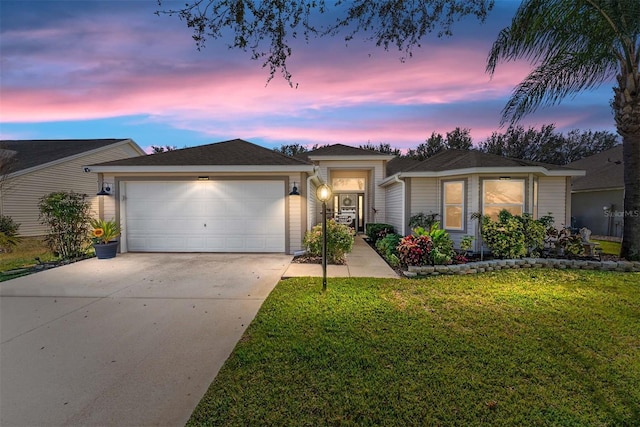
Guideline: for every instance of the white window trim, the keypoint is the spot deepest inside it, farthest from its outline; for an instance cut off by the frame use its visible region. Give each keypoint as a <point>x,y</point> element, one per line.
<point>462,205</point>
<point>504,205</point>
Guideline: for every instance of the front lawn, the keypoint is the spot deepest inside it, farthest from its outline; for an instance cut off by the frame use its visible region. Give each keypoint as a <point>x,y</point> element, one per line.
<point>609,248</point>
<point>518,347</point>
<point>24,255</point>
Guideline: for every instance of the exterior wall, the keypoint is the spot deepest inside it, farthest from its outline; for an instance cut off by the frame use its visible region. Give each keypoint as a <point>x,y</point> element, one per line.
<point>553,199</point>
<point>587,210</point>
<point>312,206</point>
<point>394,209</point>
<point>295,207</point>
<point>20,200</point>
<point>374,195</point>
<point>424,197</point>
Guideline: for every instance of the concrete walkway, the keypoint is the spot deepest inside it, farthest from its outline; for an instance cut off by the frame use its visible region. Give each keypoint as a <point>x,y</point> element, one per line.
<point>363,261</point>
<point>130,341</point>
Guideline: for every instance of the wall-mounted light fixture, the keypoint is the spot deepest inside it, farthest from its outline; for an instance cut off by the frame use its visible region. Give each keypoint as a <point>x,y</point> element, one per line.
<point>203,178</point>
<point>294,190</point>
<point>504,178</point>
<point>105,189</point>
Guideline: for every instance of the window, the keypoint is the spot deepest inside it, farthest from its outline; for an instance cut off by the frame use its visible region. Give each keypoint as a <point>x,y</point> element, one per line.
<point>499,194</point>
<point>347,184</point>
<point>453,205</point>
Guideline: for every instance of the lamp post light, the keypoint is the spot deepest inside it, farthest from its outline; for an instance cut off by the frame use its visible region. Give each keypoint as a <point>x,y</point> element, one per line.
<point>323,193</point>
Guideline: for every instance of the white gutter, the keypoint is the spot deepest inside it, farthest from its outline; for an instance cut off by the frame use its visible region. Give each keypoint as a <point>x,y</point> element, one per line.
<point>404,201</point>
<point>120,170</point>
<point>516,170</point>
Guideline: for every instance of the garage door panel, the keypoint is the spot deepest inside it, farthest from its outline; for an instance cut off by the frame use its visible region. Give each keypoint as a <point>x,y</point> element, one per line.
<point>200,216</point>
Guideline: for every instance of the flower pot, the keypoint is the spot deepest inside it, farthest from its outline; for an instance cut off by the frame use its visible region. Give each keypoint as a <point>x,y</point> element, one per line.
<point>106,250</point>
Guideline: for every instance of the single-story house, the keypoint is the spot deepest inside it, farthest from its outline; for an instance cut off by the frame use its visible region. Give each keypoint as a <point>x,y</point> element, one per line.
<point>598,197</point>
<point>34,168</point>
<point>235,196</point>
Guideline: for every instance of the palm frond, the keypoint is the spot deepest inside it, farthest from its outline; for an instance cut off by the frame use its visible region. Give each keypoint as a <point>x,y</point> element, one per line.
<point>573,45</point>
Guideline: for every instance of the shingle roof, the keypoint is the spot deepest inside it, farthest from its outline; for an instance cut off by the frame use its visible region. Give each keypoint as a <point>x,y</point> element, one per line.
<point>235,152</point>
<point>339,150</point>
<point>604,170</point>
<point>454,159</point>
<point>400,164</point>
<point>31,153</point>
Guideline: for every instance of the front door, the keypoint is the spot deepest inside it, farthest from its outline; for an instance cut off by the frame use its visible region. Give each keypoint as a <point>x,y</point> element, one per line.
<point>349,210</point>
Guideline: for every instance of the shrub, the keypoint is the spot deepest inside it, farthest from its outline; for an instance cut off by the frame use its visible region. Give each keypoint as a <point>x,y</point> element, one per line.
<point>339,241</point>
<point>504,237</point>
<point>415,250</point>
<point>514,236</point>
<point>376,231</point>
<point>67,216</point>
<point>8,233</point>
<point>466,243</point>
<point>387,247</point>
<point>423,220</point>
<point>534,233</point>
<point>442,251</point>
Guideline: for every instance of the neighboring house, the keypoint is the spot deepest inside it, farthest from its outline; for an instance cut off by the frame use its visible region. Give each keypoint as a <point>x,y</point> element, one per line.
<point>598,197</point>
<point>35,168</point>
<point>235,196</point>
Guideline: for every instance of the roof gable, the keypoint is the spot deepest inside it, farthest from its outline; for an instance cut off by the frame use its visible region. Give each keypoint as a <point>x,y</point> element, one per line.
<point>33,153</point>
<point>604,170</point>
<point>236,152</point>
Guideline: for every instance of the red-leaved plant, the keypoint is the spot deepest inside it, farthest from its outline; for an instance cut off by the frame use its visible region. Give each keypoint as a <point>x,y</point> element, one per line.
<point>414,250</point>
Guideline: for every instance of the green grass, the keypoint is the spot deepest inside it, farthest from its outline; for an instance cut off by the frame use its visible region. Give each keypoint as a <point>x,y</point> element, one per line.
<point>24,255</point>
<point>535,347</point>
<point>609,248</point>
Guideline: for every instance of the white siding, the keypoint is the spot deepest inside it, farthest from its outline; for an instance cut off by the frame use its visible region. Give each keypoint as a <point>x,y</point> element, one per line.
<point>394,210</point>
<point>312,206</point>
<point>20,201</point>
<point>424,196</point>
<point>552,198</point>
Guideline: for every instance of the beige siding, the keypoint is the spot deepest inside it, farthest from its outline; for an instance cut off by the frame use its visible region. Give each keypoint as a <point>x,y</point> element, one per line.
<point>394,211</point>
<point>552,198</point>
<point>424,196</point>
<point>312,206</point>
<point>21,199</point>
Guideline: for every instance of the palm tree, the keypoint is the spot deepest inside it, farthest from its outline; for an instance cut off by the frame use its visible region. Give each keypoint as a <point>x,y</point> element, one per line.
<point>576,45</point>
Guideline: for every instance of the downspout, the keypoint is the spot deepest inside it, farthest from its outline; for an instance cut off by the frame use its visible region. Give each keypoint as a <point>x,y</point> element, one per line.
<point>404,198</point>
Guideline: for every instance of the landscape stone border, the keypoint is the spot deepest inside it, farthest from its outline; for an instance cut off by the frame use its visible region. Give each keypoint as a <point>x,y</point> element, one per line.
<point>502,264</point>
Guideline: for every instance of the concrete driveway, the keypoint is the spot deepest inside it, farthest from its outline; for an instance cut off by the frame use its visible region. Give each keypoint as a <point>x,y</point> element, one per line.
<point>134,340</point>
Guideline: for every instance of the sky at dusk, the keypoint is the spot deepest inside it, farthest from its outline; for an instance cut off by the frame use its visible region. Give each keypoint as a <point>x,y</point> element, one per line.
<point>114,69</point>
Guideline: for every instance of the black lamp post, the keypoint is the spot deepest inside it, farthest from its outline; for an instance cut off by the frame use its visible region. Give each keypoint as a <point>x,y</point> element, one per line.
<point>323,193</point>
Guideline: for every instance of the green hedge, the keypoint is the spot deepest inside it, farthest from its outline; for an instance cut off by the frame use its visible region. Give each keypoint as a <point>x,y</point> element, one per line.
<point>376,231</point>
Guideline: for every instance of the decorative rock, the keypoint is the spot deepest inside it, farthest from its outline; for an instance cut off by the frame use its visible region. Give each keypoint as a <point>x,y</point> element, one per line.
<point>625,265</point>
<point>496,265</point>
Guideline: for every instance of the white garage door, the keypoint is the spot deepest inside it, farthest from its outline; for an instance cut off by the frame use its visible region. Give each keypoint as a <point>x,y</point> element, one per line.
<point>205,216</point>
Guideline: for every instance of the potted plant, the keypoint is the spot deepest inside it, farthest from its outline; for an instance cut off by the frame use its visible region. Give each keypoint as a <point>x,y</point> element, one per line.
<point>103,234</point>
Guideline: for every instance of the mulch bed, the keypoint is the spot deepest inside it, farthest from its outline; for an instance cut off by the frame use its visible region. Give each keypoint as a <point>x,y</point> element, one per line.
<point>308,259</point>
